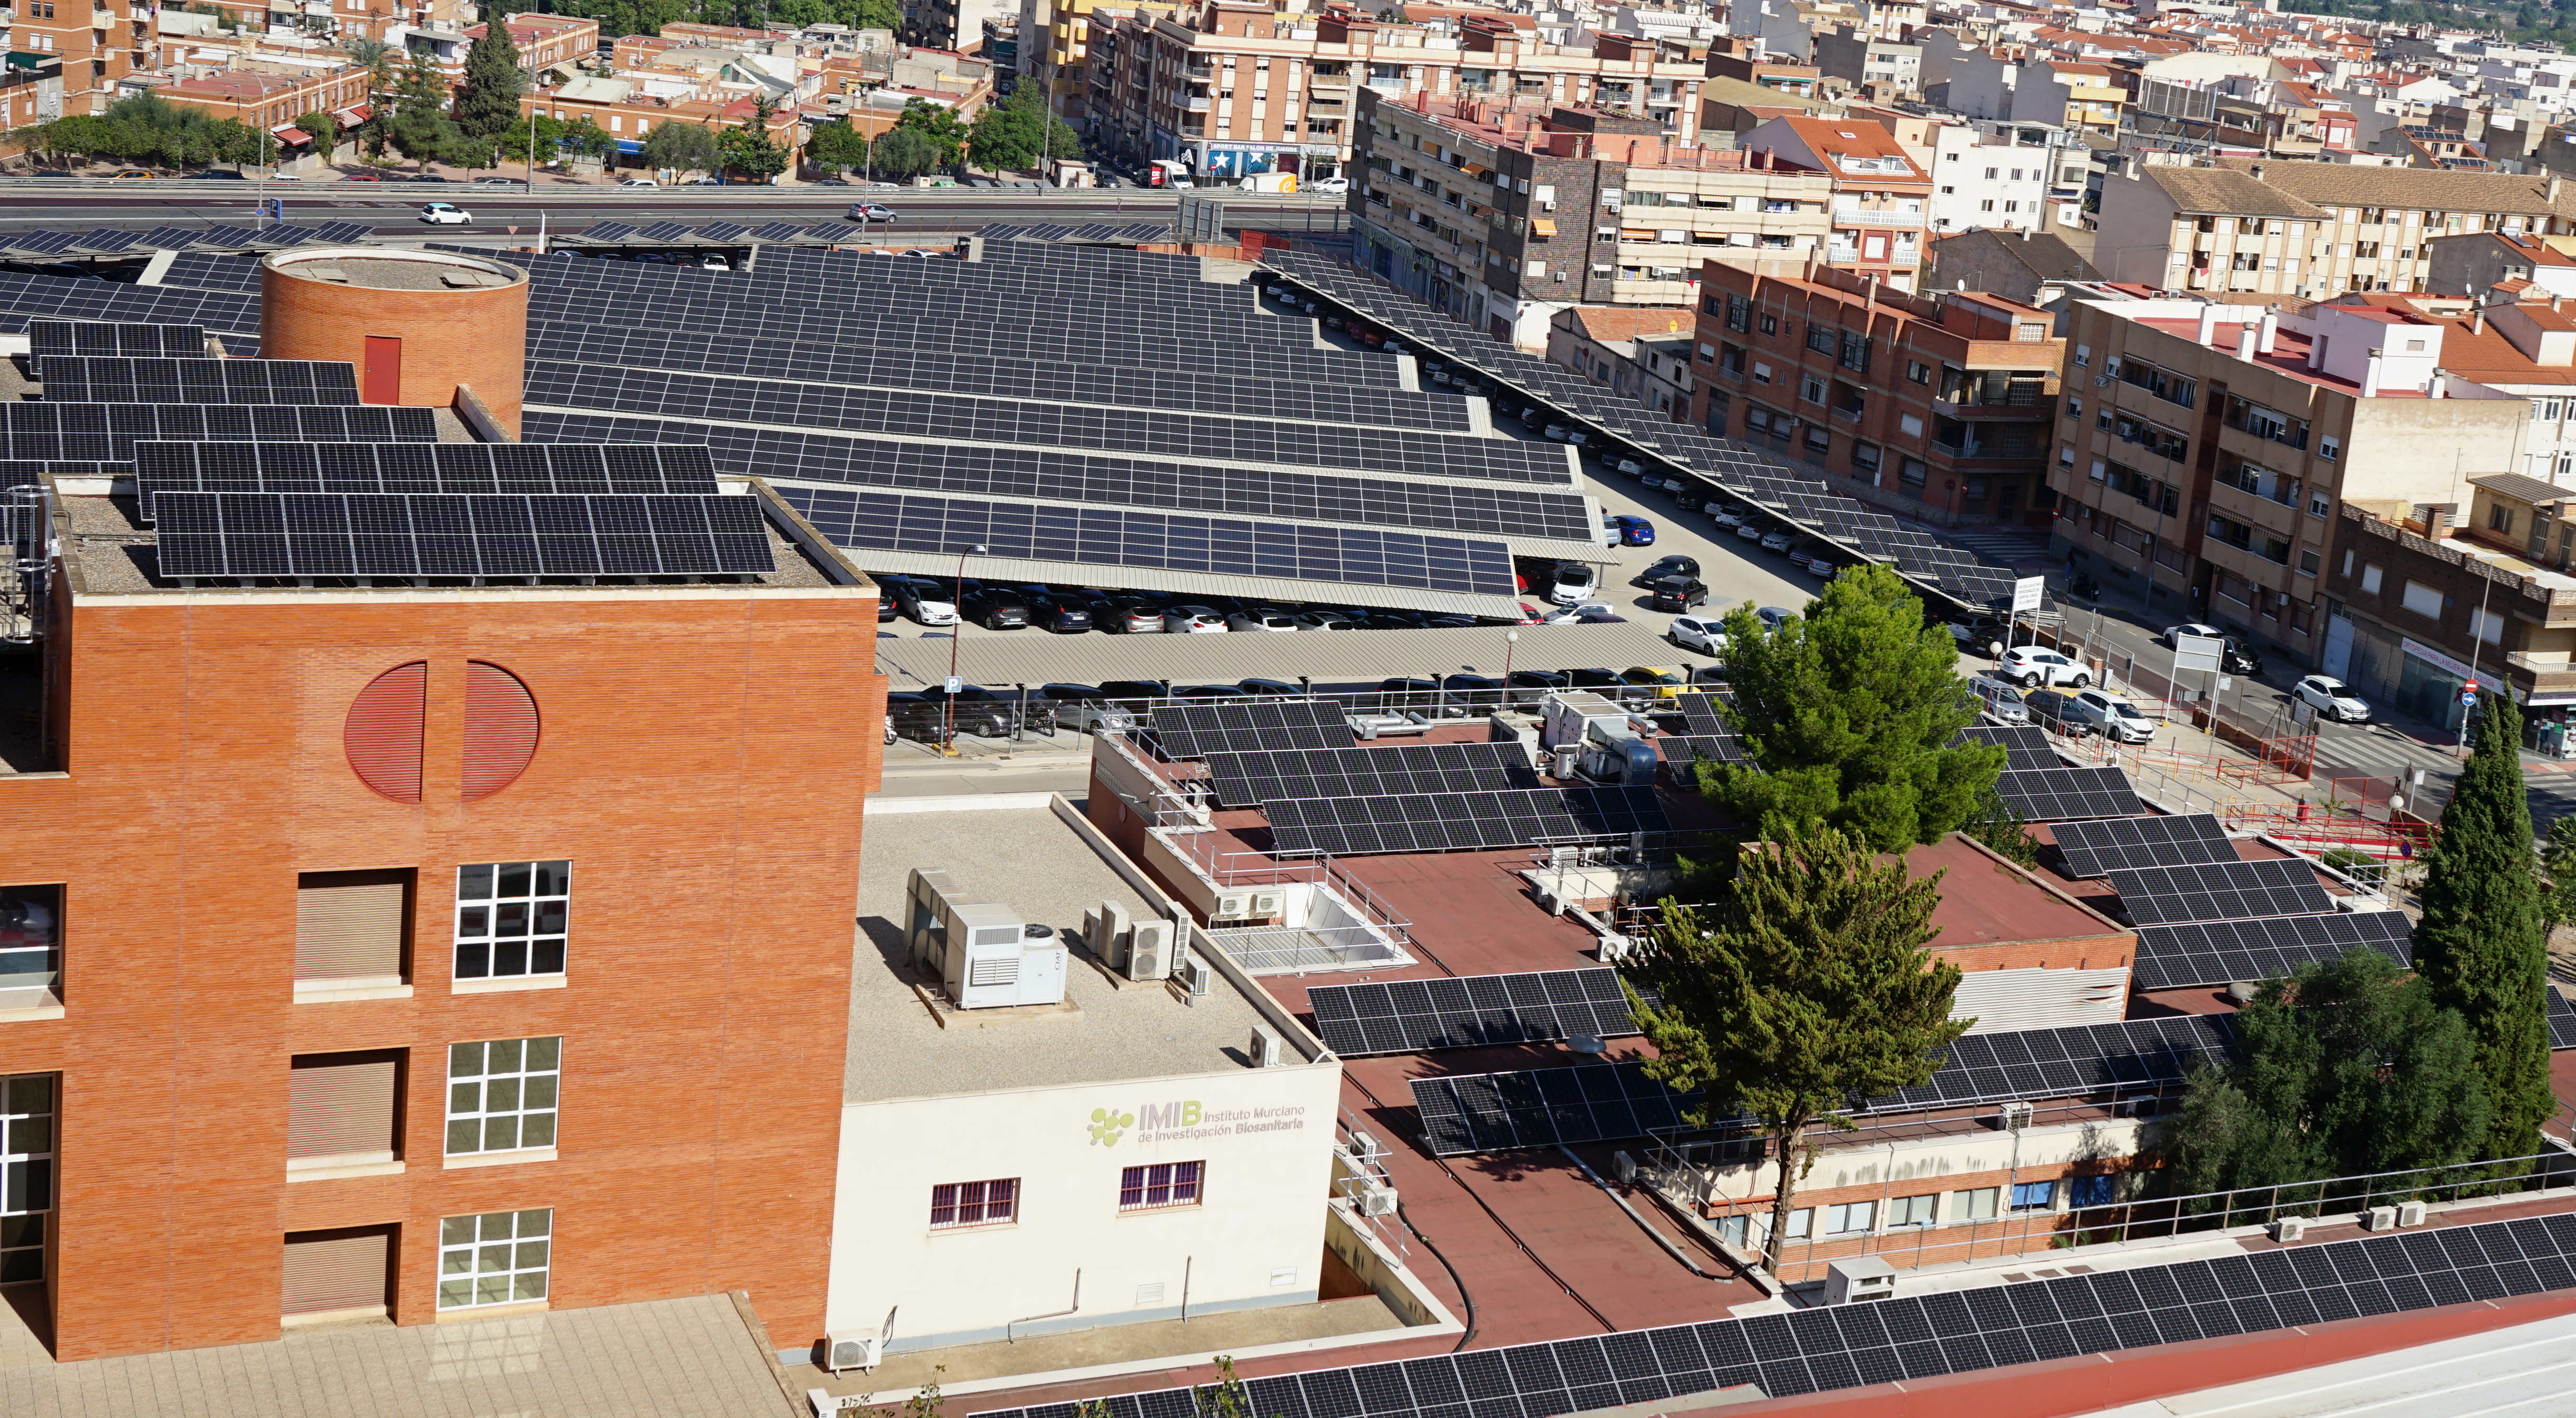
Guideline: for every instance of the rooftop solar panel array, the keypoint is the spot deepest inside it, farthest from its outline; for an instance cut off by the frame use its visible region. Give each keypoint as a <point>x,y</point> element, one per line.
<point>2562,1021</point>
<point>109,432</point>
<point>249,536</point>
<point>1446,822</point>
<point>1054,475</point>
<point>95,337</point>
<point>1915,1337</point>
<point>1544,1107</point>
<point>2066,794</point>
<point>25,298</point>
<point>1198,730</point>
<point>2229,952</point>
<point>1109,536</point>
<point>561,469</point>
<point>2025,748</point>
<point>118,379</point>
<point>1410,1016</point>
<point>1251,779</point>
<point>2220,891</point>
<point>2101,847</point>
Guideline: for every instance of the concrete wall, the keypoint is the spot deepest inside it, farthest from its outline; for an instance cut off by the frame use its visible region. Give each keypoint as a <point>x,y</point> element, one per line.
<point>1257,1239</point>
<point>2135,239</point>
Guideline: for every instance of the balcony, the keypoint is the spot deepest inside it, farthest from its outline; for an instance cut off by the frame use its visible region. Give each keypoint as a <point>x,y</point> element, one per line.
<point>1853,214</point>
<point>2550,670</point>
<point>1195,105</point>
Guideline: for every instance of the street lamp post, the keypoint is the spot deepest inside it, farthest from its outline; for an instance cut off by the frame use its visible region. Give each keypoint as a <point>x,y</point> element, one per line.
<point>956,632</point>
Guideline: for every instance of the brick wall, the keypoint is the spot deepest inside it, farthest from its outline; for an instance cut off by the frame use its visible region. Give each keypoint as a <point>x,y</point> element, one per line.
<point>702,760</point>
<point>449,337</point>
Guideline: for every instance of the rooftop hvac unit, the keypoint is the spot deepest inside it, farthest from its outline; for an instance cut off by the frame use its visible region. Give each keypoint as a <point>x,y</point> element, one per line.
<point>1266,904</point>
<point>1196,976</point>
<point>984,955</point>
<point>1615,948</point>
<point>853,1351</point>
<point>2013,1117</point>
<point>1149,951</point>
<point>1365,1146</point>
<point>1105,931</point>
<point>1376,1199</point>
<point>2289,1230</point>
<point>2379,1218</point>
<point>2410,1213</point>
<point>1859,1279</point>
<point>1232,906</point>
<point>927,894</point>
<point>1267,1051</point>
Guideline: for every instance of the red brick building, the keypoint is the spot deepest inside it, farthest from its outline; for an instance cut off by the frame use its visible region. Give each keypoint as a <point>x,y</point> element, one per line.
<point>426,950</point>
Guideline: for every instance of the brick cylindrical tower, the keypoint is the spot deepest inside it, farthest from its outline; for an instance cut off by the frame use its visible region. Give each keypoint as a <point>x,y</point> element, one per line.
<point>417,324</point>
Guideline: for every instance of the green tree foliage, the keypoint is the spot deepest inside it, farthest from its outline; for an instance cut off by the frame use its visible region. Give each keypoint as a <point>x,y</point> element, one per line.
<point>419,128</point>
<point>585,138</point>
<point>141,128</point>
<point>2560,857</point>
<point>1848,712</point>
<point>1018,132</point>
<point>625,17</point>
<point>904,152</point>
<point>2483,940</point>
<point>947,134</point>
<point>1802,988</point>
<point>2349,1067</point>
<point>838,146</point>
<point>378,58</point>
<point>323,129</point>
<point>748,148</point>
<point>681,147</point>
<point>548,137</point>
<point>488,101</point>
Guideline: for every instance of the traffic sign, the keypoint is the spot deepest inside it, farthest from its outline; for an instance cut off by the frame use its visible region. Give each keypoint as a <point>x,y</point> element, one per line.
<point>2469,698</point>
<point>955,684</point>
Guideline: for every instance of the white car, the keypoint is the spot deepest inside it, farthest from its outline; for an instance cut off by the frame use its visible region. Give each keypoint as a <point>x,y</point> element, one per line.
<point>1780,540</point>
<point>1705,634</point>
<point>1330,186</point>
<point>1192,620</point>
<point>1568,615</point>
<point>445,214</point>
<point>2027,665</point>
<point>1728,515</point>
<point>639,182</point>
<point>1261,620</point>
<point>1574,581</point>
<point>2172,634</point>
<point>2111,716</point>
<point>2332,698</point>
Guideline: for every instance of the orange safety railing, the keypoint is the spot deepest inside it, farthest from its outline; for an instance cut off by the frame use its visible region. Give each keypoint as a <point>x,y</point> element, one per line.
<point>2305,825</point>
<point>2219,767</point>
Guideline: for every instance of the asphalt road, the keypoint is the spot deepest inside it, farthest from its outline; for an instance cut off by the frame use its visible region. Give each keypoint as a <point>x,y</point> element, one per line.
<point>395,210</point>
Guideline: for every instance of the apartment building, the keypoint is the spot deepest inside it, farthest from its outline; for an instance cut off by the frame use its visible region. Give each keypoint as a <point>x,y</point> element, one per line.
<point>551,48</point>
<point>97,44</point>
<point>1236,87</point>
<point>1880,193</point>
<point>2312,230</point>
<point>31,91</point>
<point>1505,214</point>
<point>1642,354</point>
<point>2478,262</point>
<point>1860,58</point>
<point>2204,450</point>
<point>1985,179</point>
<point>269,102</point>
<point>629,114</point>
<point>1936,408</point>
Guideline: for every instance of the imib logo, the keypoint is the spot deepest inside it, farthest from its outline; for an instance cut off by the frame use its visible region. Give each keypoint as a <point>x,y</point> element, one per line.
<point>1108,1125</point>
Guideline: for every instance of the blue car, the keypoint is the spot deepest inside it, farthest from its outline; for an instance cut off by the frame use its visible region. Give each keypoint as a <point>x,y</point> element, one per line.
<point>1634,531</point>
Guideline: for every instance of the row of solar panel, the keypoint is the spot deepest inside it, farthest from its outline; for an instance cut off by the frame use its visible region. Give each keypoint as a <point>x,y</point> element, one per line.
<point>107,337</point>
<point>1459,1012</point>
<point>123,379</point>
<point>1251,779</point>
<point>110,432</point>
<point>848,279</point>
<point>271,535</point>
<point>1449,822</point>
<point>66,244</point>
<point>26,297</point>
<point>1095,479</point>
<point>534,468</point>
<point>1201,730</point>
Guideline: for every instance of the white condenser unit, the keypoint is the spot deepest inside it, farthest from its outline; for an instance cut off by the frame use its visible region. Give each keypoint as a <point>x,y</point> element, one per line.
<point>1267,905</point>
<point>1149,951</point>
<point>1196,975</point>
<point>1232,906</point>
<point>853,1351</point>
<point>1859,1279</point>
<point>985,955</point>
<point>2014,1117</point>
<point>1266,1050</point>
<point>2410,1213</point>
<point>1376,1199</point>
<point>2290,1230</point>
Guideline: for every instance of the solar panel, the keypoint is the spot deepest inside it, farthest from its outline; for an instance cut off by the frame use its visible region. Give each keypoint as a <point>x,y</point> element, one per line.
<point>1443,822</point>
<point>2562,1021</point>
<point>2220,891</point>
<point>88,337</point>
<point>335,467</point>
<point>118,379</point>
<point>2063,794</point>
<point>1914,1337</point>
<point>2025,747</point>
<point>1197,730</point>
<point>236,535</point>
<point>1544,1107</point>
<point>2227,952</point>
<point>110,432</point>
<point>1409,1016</point>
<point>2099,848</point>
<point>1253,778</point>
<point>1690,749</point>
<point>2079,1060</point>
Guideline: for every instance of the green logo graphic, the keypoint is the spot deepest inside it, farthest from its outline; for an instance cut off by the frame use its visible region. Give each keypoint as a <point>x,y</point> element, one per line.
<point>1108,1125</point>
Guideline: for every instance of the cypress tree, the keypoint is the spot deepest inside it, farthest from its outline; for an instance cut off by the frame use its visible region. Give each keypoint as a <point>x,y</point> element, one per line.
<point>488,101</point>
<point>2483,939</point>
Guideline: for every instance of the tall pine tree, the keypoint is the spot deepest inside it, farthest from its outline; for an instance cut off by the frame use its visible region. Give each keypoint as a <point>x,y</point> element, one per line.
<point>488,101</point>
<point>2483,940</point>
<point>1802,989</point>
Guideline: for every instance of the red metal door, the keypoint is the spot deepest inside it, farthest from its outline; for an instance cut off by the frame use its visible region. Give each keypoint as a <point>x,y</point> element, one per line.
<point>381,381</point>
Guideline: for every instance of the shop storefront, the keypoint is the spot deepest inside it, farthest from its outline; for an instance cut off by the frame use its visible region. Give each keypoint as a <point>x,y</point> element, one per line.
<point>2429,683</point>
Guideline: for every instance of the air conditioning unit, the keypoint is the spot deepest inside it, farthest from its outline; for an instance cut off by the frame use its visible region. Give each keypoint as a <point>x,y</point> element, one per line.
<point>1105,931</point>
<point>1858,1280</point>
<point>1266,904</point>
<point>1376,1199</point>
<point>1615,948</point>
<point>1365,1146</point>
<point>1623,1165</point>
<point>1196,975</point>
<point>1567,760</point>
<point>1267,1051</point>
<point>852,1351</point>
<point>2290,1230</point>
<point>2013,1117</point>
<point>2410,1213</point>
<point>1232,906</point>
<point>1149,951</point>
<point>2379,1218</point>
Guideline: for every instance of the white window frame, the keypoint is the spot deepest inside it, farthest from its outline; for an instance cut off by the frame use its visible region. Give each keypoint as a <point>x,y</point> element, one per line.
<point>495,1258</point>
<point>491,917</point>
<point>523,1077</point>
<point>27,1140</point>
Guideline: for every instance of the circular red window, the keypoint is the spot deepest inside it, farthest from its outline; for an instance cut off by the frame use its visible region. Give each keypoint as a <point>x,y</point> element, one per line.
<point>500,729</point>
<point>382,732</point>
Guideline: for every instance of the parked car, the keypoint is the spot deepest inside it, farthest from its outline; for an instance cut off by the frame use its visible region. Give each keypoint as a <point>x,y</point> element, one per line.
<point>974,710</point>
<point>2050,706</point>
<point>1321,618</point>
<point>1603,681</point>
<point>218,174</point>
<point>1568,615</point>
<point>1659,681</point>
<point>1534,686</point>
<point>995,607</point>
<point>1330,186</point>
<point>1677,593</point>
<point>871,212</point>
<point>2110,715</point>
<point>1422,696</point>
<point>496,182</point>
<point>1192,620</point>
<point>2235,659</point>
<point>128,173</point>
<point>1472,691</point>
<point>1086,708</point>
<point>638,182</point>
<point>1262,618</point>
<point>1124,616</point>
<point>2028,665</point>
<point>1816,560</point>
<point>1999,699</point>
<point>1270,689</point>
<point>1574,581</point>
<point>922,601</point>
<point>352,177</point>
<point>1628,468</point>
<point>1674,565</point>
<point>1727,515</point>
<point>1749,530</point>
<point>1135,696</point>
<point>1633,531</point>
<point>1210,691</point>
<point>1057,612</point>
<point>446,214</point>
<point>1706,634</point>
<point>1773,617</point>
<point>1601,618</point>
<point>1781,540</point>
<point>909,715</point>
<point>2333,698</point>
<point>1976,633</point>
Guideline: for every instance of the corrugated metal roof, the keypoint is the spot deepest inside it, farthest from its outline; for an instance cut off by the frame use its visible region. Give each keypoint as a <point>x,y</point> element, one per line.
<point>1203,583</point>
<point>1327,657</point>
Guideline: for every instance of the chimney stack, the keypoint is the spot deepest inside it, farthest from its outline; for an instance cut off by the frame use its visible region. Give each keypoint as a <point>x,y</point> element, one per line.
<point>2271,331</point>
<point>2245,340</point>
<point>2552,190</point>
<point>2255,172</point>
<point>2478,320</point>
<point>2370,377</point>
<point>2208,328</point>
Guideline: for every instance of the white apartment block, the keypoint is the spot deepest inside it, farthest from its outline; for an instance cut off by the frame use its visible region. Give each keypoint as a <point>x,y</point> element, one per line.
<point>1985,179</point>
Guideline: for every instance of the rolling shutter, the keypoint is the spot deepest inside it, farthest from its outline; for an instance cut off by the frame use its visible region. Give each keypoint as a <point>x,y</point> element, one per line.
<point>349,924</point>
<point>382,733</point>
<point>341,1105</point>
<point>500,729</point>
<point>336,1270</point>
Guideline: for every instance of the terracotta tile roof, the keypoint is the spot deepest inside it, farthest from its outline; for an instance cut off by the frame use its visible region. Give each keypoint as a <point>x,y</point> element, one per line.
<point>2343,185</point>
<point>2225,190</point>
